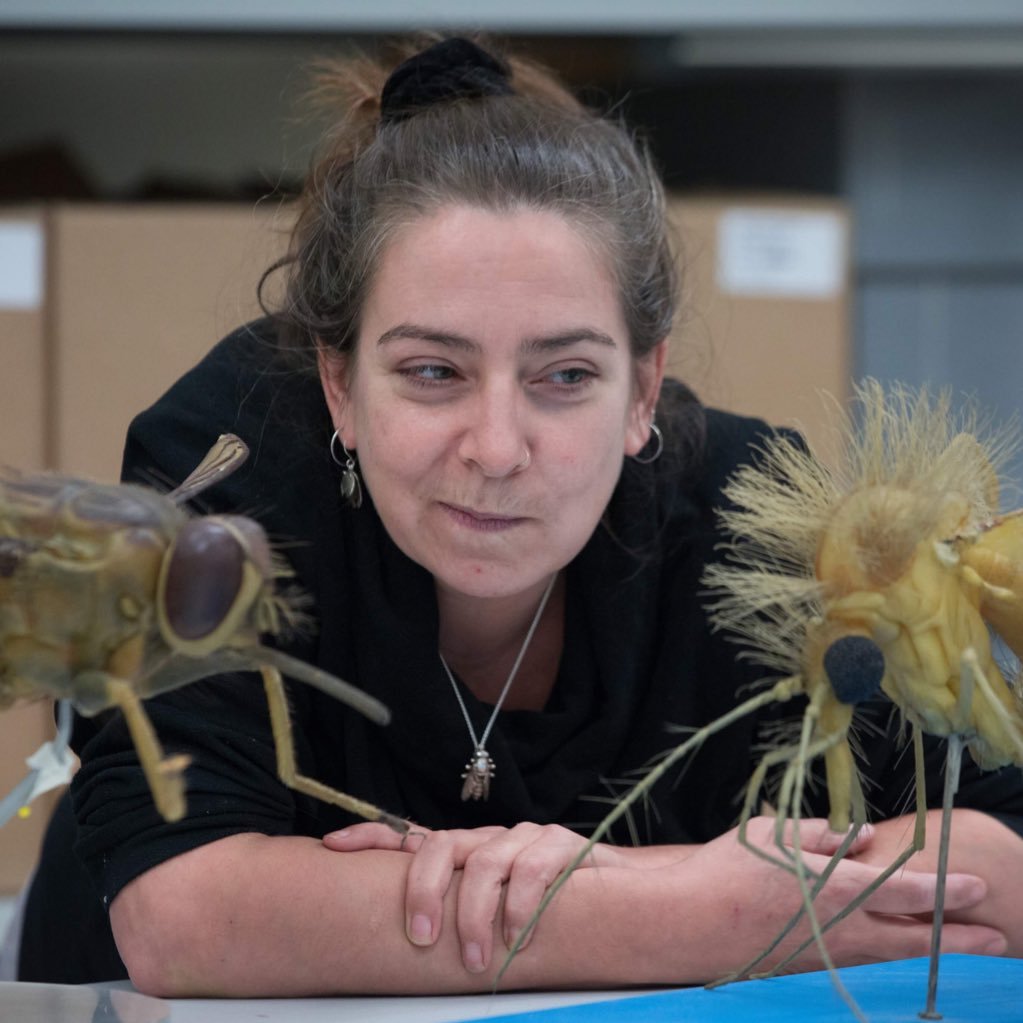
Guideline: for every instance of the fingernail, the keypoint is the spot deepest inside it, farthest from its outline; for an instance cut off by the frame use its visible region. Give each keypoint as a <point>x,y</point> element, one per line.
<point>998,947</point>
<point>472,956</point>
<point>338,836</point>
<point>420,930</point>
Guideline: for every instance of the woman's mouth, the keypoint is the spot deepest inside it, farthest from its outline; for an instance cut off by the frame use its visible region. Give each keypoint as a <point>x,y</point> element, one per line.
<point>481,521</point>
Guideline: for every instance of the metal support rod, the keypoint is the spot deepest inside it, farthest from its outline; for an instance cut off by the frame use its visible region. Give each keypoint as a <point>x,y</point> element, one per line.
<point>953,763</point>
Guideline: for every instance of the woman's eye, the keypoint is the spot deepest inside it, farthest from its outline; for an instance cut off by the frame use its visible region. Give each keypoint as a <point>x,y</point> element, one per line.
<point>571,378</point>
<point>427,374</point>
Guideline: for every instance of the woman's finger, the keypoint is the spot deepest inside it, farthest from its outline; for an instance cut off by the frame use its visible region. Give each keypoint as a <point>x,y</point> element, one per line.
<point>436,857</point>
<point>374,836</point>
<point>886,938</point>
<point>428,881</point>
<point>535,869</point>
<point>911,892</point>
<point>816,836</point>
<point>484,875</point>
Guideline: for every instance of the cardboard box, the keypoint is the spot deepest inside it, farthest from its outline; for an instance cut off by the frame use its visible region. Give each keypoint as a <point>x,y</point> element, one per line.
<point>23,439</point>
<point>23,357</point>
<point>765,324</point>
<point>138,294</point>
<point>23,729</point>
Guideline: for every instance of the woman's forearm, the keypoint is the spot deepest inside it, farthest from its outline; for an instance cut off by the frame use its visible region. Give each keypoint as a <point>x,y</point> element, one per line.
<point>254,915</point>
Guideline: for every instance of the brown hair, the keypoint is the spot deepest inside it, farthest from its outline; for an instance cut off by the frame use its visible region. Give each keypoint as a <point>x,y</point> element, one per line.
<point>536,148</point>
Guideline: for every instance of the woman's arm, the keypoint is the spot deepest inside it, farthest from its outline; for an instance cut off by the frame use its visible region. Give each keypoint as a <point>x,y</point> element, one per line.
<point>252,915</point>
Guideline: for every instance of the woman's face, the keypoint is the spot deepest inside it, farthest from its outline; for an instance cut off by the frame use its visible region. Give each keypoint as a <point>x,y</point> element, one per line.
<point>493,395</point>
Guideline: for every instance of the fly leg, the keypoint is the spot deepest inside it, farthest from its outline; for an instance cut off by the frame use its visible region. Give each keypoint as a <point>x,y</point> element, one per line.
<point>798,759</point>
<point>970,673</point>
<point>780,692</point>
<point>914,847</point>
<point>953,762</point>
<point>859,816</point>
<point>807,752</point>
<point>164,774</point>
<point>280,720</point>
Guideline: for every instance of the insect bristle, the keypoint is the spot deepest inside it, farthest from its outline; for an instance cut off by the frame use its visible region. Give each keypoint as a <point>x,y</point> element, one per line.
<point>905,452</point>
<point>294,615</point>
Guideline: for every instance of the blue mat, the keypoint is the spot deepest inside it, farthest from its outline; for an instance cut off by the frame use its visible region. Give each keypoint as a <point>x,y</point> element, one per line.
<point>971,989</point>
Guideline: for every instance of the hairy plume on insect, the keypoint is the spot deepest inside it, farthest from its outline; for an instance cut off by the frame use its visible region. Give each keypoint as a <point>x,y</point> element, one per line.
<point>923,466</point>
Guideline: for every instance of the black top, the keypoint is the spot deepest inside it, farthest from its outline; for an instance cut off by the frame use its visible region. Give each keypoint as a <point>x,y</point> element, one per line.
<point>638,658</point>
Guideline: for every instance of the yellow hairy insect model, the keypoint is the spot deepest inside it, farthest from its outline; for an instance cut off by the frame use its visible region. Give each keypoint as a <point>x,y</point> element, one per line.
<point>113,593</point>
<point>886,573</point>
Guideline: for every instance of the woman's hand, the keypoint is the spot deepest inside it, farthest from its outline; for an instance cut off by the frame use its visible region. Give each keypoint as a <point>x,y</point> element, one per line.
<point>981,845</point>
<point>754,900</point>
<point>505,871</point>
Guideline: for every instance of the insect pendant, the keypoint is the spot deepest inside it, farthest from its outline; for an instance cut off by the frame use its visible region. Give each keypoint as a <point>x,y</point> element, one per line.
<point>478,772</point>
<point>109,594</point>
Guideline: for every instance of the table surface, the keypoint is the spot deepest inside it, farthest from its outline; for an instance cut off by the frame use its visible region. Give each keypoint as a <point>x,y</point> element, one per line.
<point>120,1003</point>
<point>971,989</point>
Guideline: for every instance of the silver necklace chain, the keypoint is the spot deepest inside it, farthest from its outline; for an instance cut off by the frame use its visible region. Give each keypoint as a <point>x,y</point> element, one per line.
<point>480,768</point>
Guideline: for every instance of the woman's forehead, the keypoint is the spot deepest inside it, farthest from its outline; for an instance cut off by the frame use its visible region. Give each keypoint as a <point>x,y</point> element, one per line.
<point>472,255</point>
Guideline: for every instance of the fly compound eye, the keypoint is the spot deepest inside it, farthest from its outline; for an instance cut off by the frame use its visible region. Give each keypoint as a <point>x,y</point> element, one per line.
<point>855,667</point>
<point>202,579</point>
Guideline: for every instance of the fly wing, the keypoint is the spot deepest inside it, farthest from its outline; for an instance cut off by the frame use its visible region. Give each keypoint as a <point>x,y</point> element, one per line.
<point>226,455</point>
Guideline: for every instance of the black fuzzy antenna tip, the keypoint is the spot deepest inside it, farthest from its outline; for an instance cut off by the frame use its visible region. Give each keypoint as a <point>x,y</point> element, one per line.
<point>855,667</point>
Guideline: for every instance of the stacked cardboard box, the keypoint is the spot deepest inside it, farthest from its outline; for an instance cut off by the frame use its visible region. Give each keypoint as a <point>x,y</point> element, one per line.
<point>765,319</point>
<point>23,372</point>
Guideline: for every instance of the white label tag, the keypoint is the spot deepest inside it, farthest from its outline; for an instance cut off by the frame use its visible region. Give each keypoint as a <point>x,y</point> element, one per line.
<point>784,253</point>
<point>21,265</point>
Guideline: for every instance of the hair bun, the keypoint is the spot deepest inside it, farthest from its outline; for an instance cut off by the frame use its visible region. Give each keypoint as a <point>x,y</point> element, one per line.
<point>451,69</point>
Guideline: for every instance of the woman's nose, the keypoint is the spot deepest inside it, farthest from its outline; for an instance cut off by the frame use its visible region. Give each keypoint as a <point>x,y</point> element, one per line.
<point>495,441</point>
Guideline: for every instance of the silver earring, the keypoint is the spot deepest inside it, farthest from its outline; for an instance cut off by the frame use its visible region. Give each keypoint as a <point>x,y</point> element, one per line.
<point>351,487</point>
<point>656,431</point>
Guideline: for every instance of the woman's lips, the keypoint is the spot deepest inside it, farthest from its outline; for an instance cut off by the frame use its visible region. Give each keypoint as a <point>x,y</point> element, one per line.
<point>481,521</point>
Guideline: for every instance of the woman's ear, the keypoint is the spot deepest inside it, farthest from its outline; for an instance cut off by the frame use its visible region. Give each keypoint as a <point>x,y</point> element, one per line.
<point>333,368</point>
<point>649,374</point>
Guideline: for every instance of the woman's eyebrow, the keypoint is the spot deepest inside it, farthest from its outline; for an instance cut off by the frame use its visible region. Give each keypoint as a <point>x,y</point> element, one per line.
<point>563,339</point>
<point>534,345</point>
<point>418,333</point>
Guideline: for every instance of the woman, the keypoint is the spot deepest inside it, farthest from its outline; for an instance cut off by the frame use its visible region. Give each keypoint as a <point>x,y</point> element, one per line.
<point>508,553</point>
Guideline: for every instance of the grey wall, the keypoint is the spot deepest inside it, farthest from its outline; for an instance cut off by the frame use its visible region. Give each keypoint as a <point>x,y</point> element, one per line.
<point>933,167</point>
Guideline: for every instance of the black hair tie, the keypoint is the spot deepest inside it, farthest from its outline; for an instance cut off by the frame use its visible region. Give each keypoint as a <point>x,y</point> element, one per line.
<point>451,69</point>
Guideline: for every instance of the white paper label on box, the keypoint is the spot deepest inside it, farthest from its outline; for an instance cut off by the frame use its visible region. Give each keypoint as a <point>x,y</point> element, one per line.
<point>783,253</point>
<point>21,264</point>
